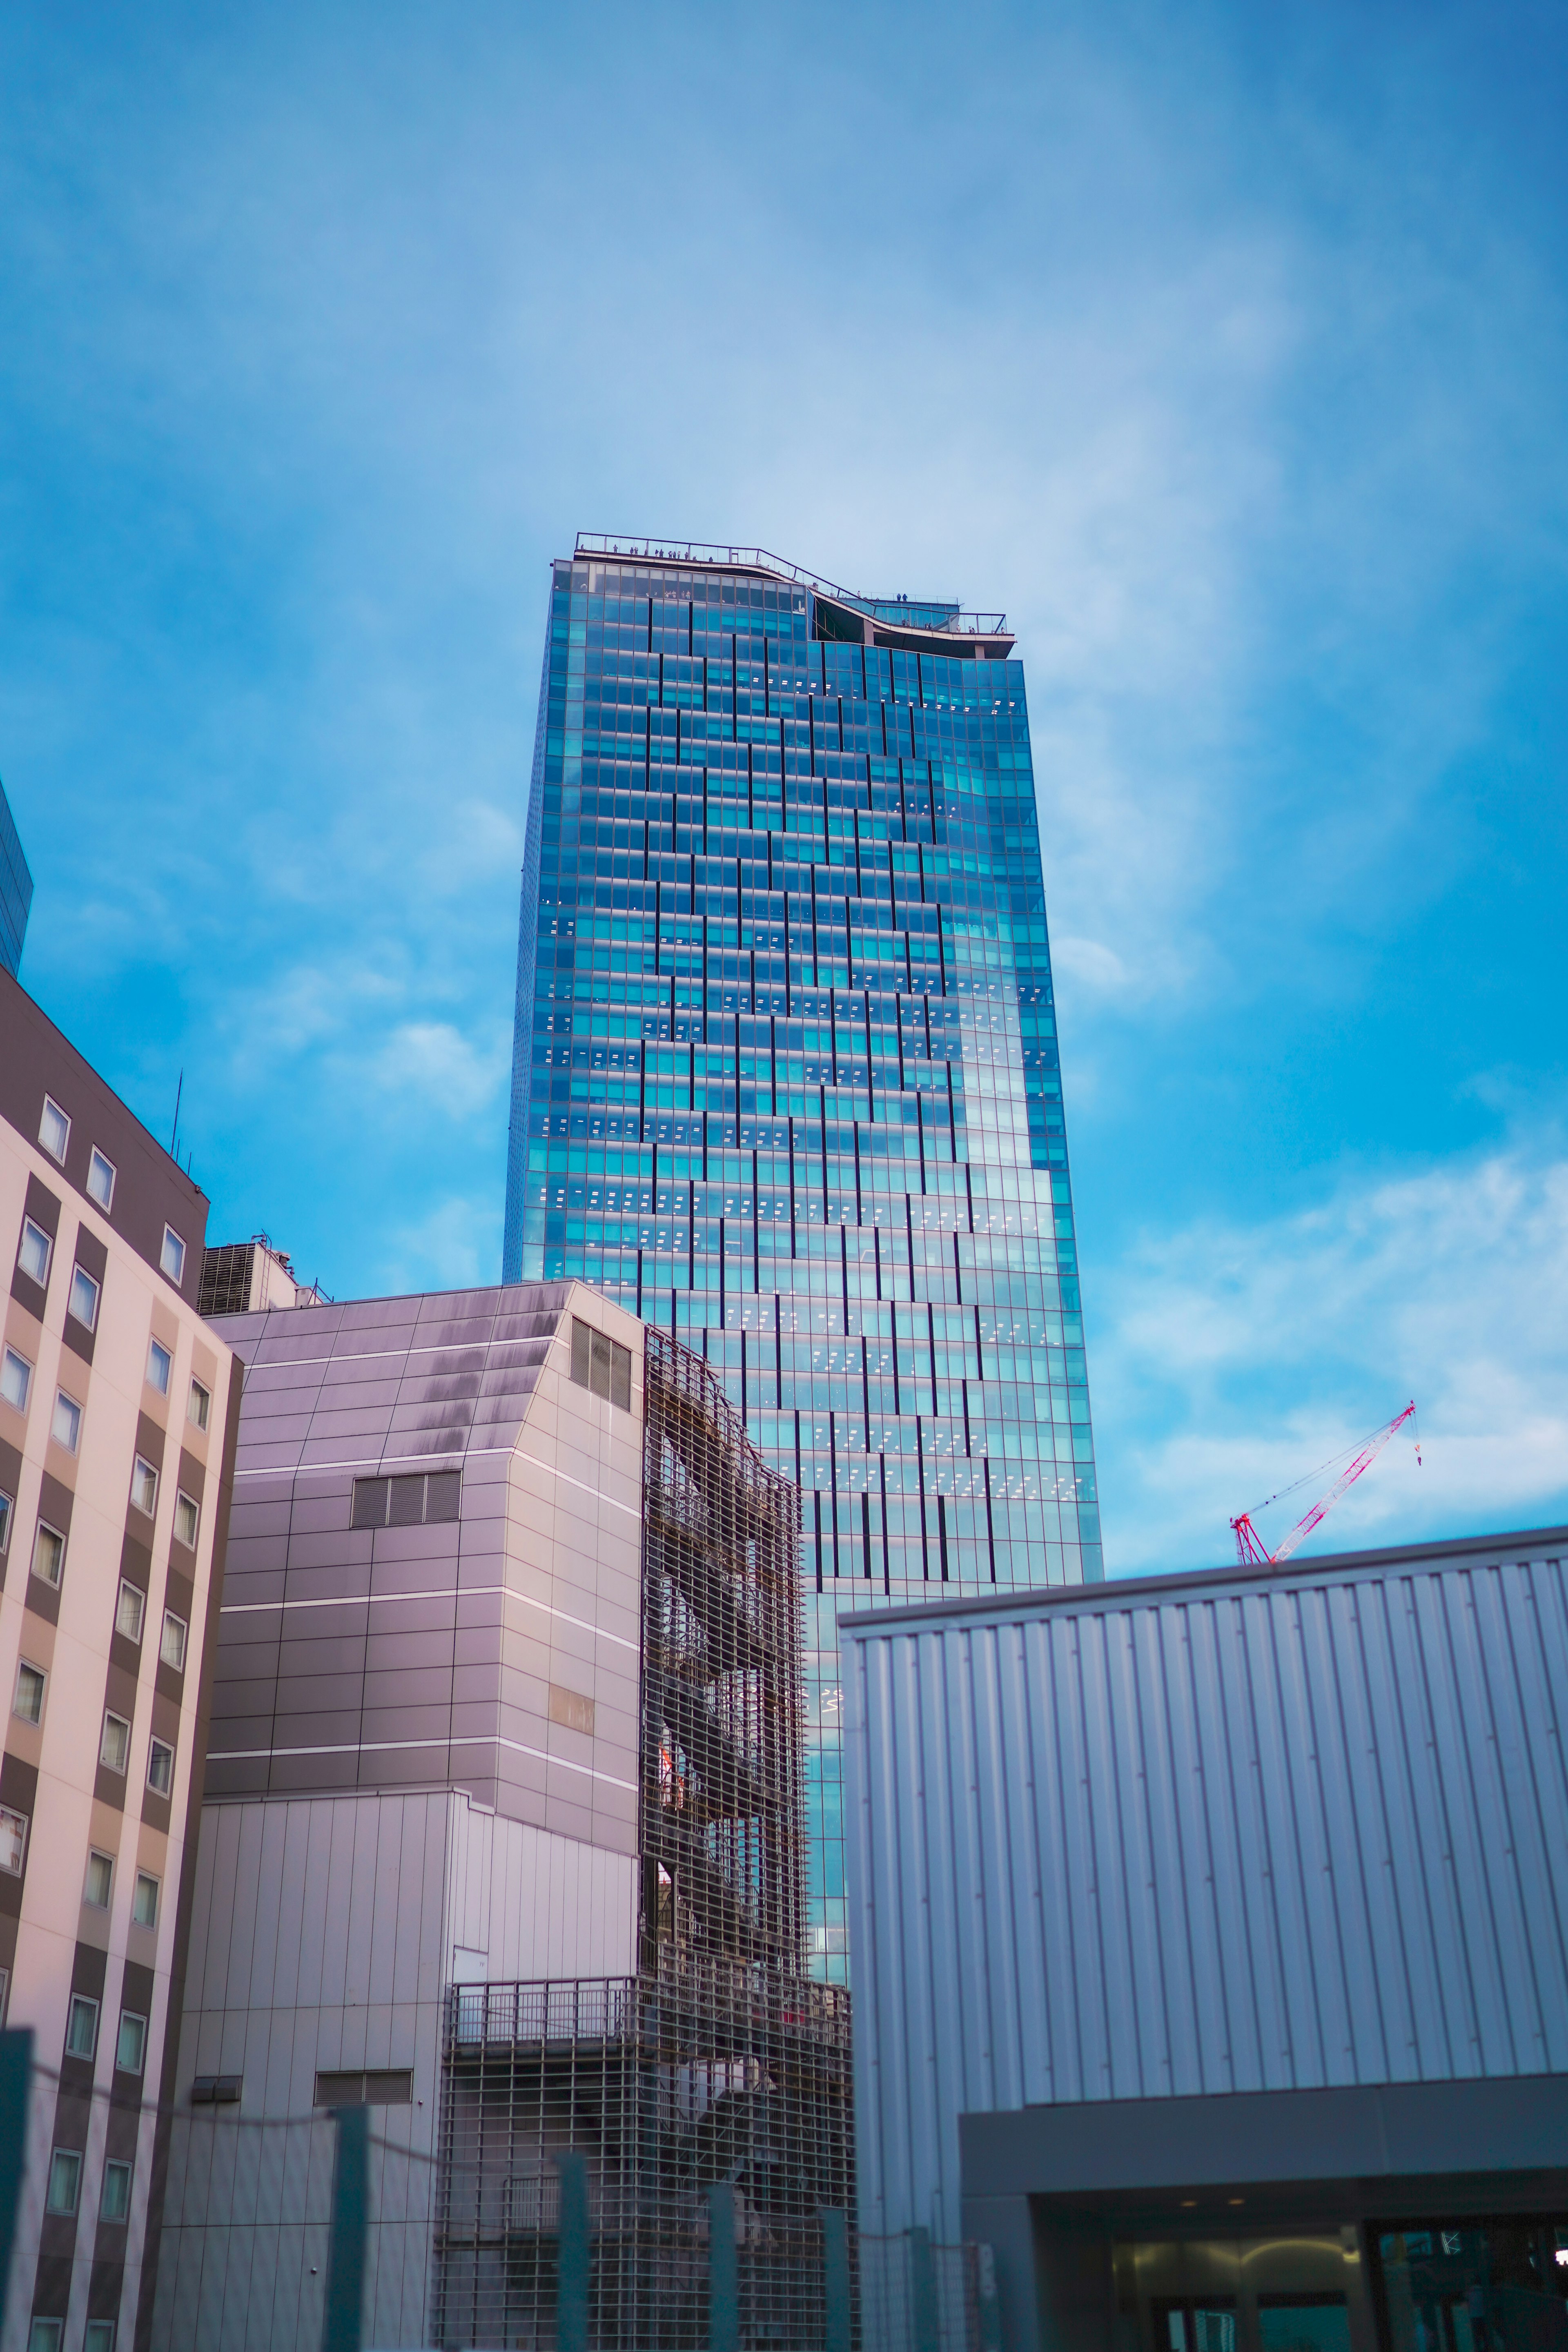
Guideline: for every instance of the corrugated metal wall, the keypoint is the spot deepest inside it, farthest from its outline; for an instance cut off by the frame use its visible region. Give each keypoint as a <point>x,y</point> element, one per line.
<point>1304,1832</point>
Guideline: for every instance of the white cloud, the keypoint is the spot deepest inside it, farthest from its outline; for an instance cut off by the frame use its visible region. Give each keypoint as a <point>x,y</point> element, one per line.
<point>1257,1352</point>
<point>434,1061</point>
<point>455,1247</point>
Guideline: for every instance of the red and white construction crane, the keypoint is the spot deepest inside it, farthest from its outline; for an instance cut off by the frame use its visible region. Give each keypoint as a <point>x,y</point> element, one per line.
<point>1249,1548</point>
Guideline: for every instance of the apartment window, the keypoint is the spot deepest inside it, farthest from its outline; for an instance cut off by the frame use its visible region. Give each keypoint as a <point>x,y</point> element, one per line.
<point>99,1880</point>
<point>5,1995</point>
<point>16,1379</point>
<point>187,1517</point>
<point>114,2205</point>
<point>171,1649</point>
<point>144,1902</point>
<point>131,2049</point>
<point>12,1841</point>
<point>601,1365</point>
<point>129,1611</point>
<point>49,1554</point>
<point>424,1500</point>
<point>171,1258</point>
<point>100,2336</point>
<point>100,1179</point>
<point>160,1767</point>
<point>54,1129</point>
<point>83,1299</point>
<point>200,1406</point>
<point>81,2027</point>
<point>43,2335</point>
<point>35,1252</point>
<point>160,1364</point>
<point>115,1748</point>
<point>66,1426</point>
<point>28,1702</point>
<point>144,1487</point>
<point>7,1503</point>
<point>65,2181</point>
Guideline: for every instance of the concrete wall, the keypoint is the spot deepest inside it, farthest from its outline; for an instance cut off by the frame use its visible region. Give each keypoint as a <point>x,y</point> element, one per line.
<point>1210,1834</point>
<point>324,1933</point>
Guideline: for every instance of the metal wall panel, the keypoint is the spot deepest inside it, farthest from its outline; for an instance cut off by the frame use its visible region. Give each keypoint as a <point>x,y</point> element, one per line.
<point>1244,1833</point>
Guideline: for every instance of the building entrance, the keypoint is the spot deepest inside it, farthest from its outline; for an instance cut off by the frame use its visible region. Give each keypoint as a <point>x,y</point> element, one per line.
<point>1468,2286</point>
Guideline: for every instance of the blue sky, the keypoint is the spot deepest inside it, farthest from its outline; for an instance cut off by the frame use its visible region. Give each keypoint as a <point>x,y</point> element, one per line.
<point>1224,348</point>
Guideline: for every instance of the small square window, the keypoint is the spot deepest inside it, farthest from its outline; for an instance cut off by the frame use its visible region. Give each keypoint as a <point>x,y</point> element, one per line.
<point>99,2335</point>
<point>200,1406</point>
<point>12,1841</point>
<point>65,2181</point>
<point>28,1703</point>
<point>187,1517</point>
<point>171,1649</point>
<point>100,1179</point>
<point>144,1487</point>
<point>114,2205</point>
<point>129,1611</point>
<point>54,1129</point>
<point>144,1902</point>
<point>66,1426</point>
<point>160,1364</point>
<point>99,1880</point>
<point>131,2047</point>
<point>7,1503</point>
<point>16,1379</point>
<point>160,1767</point>
<point>172,1256</point>
<point>35,1252</point>
<point>43,2335</point>
<point>48,1555</point>
<point>115,1748</point>
<point>81,2027</point>
<point>83,1299</point>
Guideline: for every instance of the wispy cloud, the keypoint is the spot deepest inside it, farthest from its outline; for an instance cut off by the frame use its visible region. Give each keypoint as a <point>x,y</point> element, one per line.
<point>1234,1358</point>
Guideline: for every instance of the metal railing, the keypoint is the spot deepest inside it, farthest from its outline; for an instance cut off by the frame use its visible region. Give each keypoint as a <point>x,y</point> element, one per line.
<point>758,559</point>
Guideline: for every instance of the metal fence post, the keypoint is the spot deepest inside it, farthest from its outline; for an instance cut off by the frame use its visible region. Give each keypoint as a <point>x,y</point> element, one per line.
<point>927,2329</point>
<point>835,2278</point>
<point>987,2296</point>
<point>343,2317</point>
<point>572,2259</point>
<point>723,2270</point>
<point>15,2069</point>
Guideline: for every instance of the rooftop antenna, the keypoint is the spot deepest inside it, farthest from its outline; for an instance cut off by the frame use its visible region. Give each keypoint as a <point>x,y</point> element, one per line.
<point>174,1138</point>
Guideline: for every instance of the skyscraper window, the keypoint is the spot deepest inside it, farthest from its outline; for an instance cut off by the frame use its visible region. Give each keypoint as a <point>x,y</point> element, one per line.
<point>785,1078</point>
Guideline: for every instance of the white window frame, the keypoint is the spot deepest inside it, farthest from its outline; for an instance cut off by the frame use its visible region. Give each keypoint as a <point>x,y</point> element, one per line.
<point>121,1769</point>
<point>73,2158</point>
<point>45,1527</point>
<point>15,1356</point>
<point>176,1273</point>
<point>140,1465</point>
<point>26,1667</point>
<point>170,1618</point>
<point>96,1853</point>
<point>44,2333</point>
<point>121,2164</point>
<point>184,1502</point>
<point>12,1821</point>
<point>145,1878</point>
<point>31,1225</point>
<point>156,1749</point>
<point>80,1274</point>
<point>199,1414</point>
<point>139,1598</point>
<point>64,1116</point>
<point>104,1199</point>
<point>130,2016</point>
<point>155,1347</point>
<point>71,1444</point>
<point>7,1512</point>
<point>85,2003</point>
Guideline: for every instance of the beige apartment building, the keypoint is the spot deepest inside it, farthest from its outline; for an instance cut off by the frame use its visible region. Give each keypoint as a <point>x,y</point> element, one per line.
<point>118,1408</point>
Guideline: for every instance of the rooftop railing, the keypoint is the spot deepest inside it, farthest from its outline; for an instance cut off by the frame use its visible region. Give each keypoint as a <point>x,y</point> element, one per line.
<point>883,609</point>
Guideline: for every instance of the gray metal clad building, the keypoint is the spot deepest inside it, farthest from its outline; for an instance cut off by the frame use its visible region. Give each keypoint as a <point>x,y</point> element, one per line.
<point>1211,1940</point>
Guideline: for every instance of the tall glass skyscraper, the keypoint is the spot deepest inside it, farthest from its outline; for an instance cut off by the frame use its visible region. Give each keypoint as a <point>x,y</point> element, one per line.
<point>16,890</point>
<point>786,1077</point>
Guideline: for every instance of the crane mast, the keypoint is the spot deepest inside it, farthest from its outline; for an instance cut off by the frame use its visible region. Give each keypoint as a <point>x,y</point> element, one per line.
<point>1251,1550</point>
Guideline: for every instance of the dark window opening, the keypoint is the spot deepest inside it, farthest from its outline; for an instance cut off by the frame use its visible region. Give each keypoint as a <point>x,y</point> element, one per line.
<point>427,1500</point>
<point>601,1365</point>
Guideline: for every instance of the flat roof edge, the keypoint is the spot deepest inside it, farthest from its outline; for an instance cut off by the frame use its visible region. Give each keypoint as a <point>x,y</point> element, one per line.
<point>1112,1592</point>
